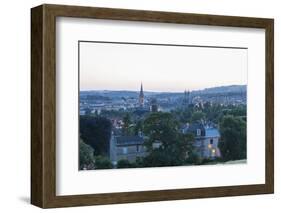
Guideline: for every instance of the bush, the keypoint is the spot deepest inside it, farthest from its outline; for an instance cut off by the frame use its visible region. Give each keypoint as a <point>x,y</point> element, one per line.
<point>86,156</point>
<point>124,164</point>
<point>102,162</point>
<point>193,158</point>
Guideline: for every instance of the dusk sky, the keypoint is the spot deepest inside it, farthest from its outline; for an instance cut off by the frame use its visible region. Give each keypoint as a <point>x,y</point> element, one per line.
<point>108,66</point>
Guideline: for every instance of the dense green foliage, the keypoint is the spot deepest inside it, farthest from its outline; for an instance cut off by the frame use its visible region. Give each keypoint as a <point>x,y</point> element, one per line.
<point>233,138</point>
<point>197,116</point>
<point>86,156</point>
<point>162,128</point>
<point>165,143</point>
<point>125,164</point>
<point>96,132</point>
<point>210,112</point>
<point>102,162</point>
<point>126,126</point>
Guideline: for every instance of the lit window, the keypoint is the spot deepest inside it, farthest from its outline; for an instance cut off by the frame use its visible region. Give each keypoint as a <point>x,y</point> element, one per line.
<point>213,152</point>
<point>209,146</point>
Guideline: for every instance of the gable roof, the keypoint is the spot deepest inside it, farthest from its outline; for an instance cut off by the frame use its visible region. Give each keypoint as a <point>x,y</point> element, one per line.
<point>193,128</point>
<point>206,131</point>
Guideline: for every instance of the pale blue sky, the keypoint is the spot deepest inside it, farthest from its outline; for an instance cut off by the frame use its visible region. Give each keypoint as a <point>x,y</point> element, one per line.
<point>107,66</point>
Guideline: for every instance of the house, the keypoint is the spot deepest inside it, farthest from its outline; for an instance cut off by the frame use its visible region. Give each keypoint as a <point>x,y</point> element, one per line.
<point>126,147</point>
<point>206,139</point>
<point>130,147</point>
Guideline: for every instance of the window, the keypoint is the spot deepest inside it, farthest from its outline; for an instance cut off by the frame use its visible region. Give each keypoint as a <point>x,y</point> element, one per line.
<point>138,148</point>
<point>213,152</point>
<point>125,150</point>
<point>211,141</point>
<point>198,132</point>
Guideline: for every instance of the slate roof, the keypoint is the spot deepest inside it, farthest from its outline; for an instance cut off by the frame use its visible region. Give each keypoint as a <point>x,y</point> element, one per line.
<point>193,129</point>
<point>129,140</point>
<point>206,131</point>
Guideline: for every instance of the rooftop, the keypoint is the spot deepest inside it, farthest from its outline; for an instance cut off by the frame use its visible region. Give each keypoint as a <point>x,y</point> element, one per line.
<point>212,132</point>
<point>129,140</point>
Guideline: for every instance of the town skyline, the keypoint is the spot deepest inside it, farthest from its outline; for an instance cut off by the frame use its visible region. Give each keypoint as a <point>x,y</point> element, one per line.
<point>125,129</point>
<point>157,91</point>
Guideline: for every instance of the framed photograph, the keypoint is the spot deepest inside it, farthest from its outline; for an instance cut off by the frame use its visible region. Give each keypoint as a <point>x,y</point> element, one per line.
<point>136,106</point>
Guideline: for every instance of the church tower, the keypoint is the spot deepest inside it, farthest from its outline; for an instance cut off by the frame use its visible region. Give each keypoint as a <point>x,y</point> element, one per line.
<point>141,97</point>
<point>186,99</point>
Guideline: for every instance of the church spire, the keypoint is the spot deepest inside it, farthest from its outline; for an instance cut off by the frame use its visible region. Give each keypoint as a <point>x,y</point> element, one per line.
<point>141,90</point>
<point>141,96</point>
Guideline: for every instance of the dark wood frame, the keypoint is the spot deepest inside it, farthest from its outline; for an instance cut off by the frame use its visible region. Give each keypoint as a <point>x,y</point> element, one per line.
<point>43,105</point>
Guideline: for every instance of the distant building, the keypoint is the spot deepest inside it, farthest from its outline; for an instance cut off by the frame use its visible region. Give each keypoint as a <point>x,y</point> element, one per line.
<point>186,99</point>
<point>141,97</point>
<point>206,139</point>
<point>141,109</point>
<point>126,147</point>
<point>85,111</point>
<point>154,105</point>
<point>82,112</point>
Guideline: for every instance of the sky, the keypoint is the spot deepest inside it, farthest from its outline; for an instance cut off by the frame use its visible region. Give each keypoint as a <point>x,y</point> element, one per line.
<point>112,66</point>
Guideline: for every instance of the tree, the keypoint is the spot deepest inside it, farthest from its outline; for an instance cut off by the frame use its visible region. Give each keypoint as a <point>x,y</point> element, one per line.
<point>86,156</point>
<point>239,111</point>
<point>197,116</point>
<point>233,138</point>
<point>96,132</point>
<point>158,158</point>
<point>102,162</point>
<point>126,125</point>
<point>188,151</point>
<point>183,115</point>
<point>160,127</point>
<point>163,128</point>
<point>213,112</point>
<point>138,127</point>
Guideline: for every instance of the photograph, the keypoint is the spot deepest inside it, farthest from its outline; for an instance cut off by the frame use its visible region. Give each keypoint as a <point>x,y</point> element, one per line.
<point>147,105</point>
<point>140,105</point>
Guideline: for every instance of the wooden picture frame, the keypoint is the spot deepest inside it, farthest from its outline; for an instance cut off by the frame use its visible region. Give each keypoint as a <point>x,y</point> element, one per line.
<point>43,105</point>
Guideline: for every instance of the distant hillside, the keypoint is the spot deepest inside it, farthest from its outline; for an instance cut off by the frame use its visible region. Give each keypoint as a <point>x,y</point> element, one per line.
<point>109,94</point>
<point>222,89</point>
<point>133,94</point>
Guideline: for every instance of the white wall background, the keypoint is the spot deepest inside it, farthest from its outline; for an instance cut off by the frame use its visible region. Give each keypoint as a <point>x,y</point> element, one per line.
<point>15,105</point>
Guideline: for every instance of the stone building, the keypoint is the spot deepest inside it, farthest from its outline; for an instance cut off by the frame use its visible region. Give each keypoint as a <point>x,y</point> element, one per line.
<point>154,105</point>
<point>127,148</point>
<point>206,139</point>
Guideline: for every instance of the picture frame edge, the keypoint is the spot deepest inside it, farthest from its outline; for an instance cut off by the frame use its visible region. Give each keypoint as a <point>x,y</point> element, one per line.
<point>43,104</point>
